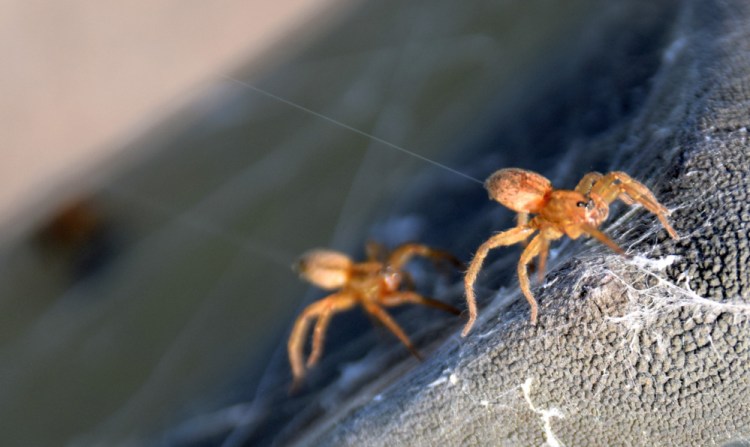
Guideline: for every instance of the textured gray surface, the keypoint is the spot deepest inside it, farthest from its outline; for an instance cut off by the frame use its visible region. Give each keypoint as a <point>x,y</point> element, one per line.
<point>650,351</point>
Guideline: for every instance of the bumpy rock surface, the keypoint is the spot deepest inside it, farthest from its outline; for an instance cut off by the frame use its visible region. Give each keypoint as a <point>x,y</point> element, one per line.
<point>652,350</point>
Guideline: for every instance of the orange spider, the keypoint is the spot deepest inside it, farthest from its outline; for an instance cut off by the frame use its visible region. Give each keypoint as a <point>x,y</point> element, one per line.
<point>374,284</point>
<point>559,213</point>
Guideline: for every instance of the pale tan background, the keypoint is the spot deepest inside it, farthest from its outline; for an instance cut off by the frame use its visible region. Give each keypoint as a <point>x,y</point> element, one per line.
<point>79,78</point>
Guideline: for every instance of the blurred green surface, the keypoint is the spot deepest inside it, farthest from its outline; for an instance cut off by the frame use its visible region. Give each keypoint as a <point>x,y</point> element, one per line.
<point>194,288</point>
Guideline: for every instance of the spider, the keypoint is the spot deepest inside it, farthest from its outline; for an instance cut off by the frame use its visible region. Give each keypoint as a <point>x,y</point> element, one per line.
<point>559,213</point>
<point>374,284</point>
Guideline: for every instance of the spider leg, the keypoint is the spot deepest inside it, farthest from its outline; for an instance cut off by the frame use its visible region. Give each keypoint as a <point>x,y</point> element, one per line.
<point>632,191</point>
<point>528,254</point>
<point>408,280</point>
<point>341,301</point>
<point>329,305</point>
<point>376,251</point>
<point>587,182</point>
<point>319,334</point>
<point>380,313</point>
<point>604,239</point>
<point>297,340</point>
<point>404,253</point>
<point>397,299</point>
<point>522,220</point>
<point>509,237</point>
<point>543,253</point>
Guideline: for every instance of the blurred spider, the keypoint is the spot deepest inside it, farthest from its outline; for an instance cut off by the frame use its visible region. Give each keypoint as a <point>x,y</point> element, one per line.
<point>376,283</point>
<point>559,213</point>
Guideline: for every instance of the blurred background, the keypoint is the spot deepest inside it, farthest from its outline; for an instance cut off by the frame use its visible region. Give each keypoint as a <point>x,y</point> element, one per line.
<point>153,198</point>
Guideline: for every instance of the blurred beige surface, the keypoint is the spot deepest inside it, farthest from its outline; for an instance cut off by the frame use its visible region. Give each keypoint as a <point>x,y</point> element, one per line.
<point>80,78</point>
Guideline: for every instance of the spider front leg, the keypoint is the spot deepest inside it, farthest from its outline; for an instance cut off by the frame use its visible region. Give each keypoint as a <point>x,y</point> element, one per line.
<point>510,237</point>
<point>629,191</point>
<point>522,221</point>
<point>604,239</point>
<point>404,253</point>
<point>323,310</point>
<point>587,182</point>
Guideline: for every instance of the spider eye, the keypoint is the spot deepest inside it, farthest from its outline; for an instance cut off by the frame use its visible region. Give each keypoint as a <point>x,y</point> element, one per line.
<point>581,204</point>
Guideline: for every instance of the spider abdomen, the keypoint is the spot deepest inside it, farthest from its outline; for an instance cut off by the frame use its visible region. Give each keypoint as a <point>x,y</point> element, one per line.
<point>518,189</point>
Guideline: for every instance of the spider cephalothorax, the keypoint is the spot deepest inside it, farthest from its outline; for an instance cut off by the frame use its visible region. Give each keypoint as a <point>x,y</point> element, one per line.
<point>558,213</point>
<point>379,282</point>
